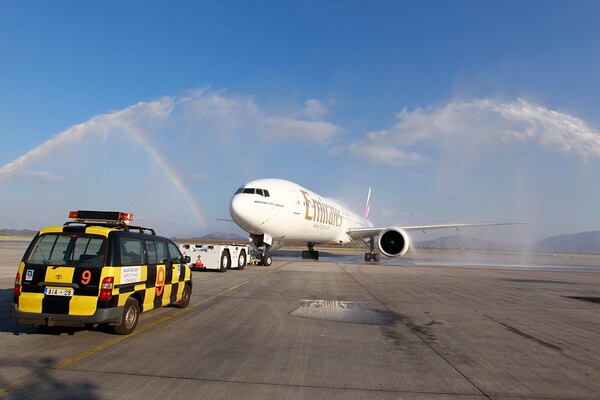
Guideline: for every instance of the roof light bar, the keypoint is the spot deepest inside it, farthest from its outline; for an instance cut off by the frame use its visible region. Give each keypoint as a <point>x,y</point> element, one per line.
<point>101,216</point>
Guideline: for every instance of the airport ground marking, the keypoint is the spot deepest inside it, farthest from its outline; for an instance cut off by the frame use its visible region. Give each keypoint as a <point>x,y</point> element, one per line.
<point>161,320</point>
<point>7,388</point>
<point>414,331</point>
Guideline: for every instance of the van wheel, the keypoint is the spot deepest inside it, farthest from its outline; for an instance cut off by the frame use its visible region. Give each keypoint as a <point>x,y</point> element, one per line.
<point>225,261</point>
<point>129,320</point>
<point>242,260</point>
<point>185,297</point>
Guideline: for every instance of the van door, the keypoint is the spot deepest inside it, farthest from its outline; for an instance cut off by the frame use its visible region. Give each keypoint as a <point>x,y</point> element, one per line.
<point>178,272</point>
<point>61,274</point>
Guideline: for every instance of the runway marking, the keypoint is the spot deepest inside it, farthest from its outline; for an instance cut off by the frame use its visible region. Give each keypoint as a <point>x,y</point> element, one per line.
<point>162,320</point>
<point>7,388</point>
<point>416,333</point>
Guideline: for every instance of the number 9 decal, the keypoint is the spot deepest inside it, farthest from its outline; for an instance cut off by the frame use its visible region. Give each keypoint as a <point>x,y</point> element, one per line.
<point>86,277</point>
<point>160,280</point>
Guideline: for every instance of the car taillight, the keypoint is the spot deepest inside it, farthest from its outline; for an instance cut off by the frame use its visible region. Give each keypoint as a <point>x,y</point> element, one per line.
<point>17,290</point>
<point>106,288</point>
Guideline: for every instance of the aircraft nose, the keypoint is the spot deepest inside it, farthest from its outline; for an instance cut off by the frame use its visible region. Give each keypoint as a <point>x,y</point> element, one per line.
<point>240,212</point>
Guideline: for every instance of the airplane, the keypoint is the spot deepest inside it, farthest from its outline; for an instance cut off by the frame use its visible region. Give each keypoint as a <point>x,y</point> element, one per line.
<point>275,211</point>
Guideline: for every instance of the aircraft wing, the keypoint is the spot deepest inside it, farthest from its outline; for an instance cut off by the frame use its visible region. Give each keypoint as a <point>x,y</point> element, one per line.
<point>361,233</point>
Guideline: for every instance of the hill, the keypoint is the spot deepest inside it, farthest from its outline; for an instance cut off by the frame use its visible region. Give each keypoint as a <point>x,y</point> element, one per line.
<point>463,242</point>
<point>17,232</point>
<point>216,237</point>
<point>584,242</point>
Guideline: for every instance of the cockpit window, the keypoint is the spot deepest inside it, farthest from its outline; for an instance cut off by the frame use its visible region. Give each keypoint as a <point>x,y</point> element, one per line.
<point>261,192</point>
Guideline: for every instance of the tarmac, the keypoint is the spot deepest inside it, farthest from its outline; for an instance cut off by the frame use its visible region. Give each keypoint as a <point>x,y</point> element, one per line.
<point>433,325</point>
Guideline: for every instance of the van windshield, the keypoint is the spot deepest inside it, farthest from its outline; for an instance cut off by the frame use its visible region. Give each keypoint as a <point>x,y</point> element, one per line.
<point>58,249</point>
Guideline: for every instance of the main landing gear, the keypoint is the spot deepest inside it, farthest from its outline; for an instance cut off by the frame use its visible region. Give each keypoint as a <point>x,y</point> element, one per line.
<point>371,255</point>
<point>311,253</point>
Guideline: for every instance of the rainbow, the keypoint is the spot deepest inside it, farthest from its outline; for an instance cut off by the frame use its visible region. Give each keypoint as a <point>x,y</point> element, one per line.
<point>169,172</point>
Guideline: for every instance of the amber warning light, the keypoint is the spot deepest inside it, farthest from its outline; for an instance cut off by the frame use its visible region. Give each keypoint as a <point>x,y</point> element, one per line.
<point>103,216</point>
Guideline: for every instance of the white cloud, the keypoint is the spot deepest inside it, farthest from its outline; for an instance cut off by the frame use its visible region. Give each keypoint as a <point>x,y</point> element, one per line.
<point>41,177</point>
<point>314,108</point>
<point>294,130</point>
<point>196,177</point>
<point>469,126</point>
<point>98,127</point>
<point>201,114</point>
<point>385,154</point>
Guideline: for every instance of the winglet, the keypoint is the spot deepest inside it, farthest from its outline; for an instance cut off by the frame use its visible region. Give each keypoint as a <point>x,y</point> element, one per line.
<point>368,205</point>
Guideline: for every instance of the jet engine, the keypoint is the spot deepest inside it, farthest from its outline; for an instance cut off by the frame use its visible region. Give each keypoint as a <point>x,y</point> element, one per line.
<point>394,242</point>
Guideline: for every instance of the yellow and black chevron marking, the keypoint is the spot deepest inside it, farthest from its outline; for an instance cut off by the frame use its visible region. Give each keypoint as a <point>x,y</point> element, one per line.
<point>153,285</point>
<point>159,286</point>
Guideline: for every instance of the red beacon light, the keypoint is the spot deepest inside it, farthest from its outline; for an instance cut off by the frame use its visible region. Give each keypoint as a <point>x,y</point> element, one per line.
<point>101,216</point>
<point>125,217</point>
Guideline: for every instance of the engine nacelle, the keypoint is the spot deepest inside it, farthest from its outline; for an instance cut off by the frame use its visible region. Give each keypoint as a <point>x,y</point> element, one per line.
<point>393,242</point>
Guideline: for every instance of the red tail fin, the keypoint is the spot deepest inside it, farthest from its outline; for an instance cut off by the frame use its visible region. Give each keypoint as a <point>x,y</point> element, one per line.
<point>368,205</point>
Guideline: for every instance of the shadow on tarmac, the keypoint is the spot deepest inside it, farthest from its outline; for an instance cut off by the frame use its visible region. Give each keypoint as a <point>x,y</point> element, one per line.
<point>40,381</point>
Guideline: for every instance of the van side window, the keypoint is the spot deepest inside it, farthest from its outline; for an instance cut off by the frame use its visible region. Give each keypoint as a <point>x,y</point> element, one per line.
<point>131,251</point>
<point>161,252</point>
<point>175,253</point>
<point>151,251</point>
<point>157,251</point>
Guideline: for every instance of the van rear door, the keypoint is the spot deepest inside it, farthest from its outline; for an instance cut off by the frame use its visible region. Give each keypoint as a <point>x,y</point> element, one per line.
<point>61,273</point>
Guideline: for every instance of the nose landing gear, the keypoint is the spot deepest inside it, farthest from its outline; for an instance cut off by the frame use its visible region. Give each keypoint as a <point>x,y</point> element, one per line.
<point>261,256</point>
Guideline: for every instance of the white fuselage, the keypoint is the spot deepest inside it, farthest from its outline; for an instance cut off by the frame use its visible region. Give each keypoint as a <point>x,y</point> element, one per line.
<point>285,211</point>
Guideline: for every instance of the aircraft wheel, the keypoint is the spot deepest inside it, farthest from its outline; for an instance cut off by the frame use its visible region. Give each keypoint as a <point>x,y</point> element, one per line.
<point>267,260</point>
<point>310,255</point>
<point>371,257</point>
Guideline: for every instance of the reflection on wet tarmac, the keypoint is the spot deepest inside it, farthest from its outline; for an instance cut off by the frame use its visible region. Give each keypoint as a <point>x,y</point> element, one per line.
<point>355,312</point>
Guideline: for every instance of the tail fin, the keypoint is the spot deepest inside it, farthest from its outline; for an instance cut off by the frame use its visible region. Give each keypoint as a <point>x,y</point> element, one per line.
<point>368,205</point>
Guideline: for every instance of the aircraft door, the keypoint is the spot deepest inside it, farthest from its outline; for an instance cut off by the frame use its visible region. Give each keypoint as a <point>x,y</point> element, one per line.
<point>296,202</point>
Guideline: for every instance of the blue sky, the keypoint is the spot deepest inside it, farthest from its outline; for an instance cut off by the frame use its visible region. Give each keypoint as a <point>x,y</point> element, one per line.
<point>453,111</point>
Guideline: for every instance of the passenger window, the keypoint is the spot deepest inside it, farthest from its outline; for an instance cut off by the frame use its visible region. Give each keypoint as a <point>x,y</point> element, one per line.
<point>151,251</point>
<point>161,252</point>
<point>131,251</point>
<point>175,253</point>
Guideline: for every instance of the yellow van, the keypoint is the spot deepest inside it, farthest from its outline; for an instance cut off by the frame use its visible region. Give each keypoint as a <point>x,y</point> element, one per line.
<point>98,269</point>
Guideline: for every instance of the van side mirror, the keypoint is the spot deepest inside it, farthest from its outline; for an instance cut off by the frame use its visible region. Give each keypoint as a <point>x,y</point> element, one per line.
<point>186,259</point>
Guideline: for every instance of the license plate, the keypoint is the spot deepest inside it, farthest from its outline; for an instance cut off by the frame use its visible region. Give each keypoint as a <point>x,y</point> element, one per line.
<point>58,292</point>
